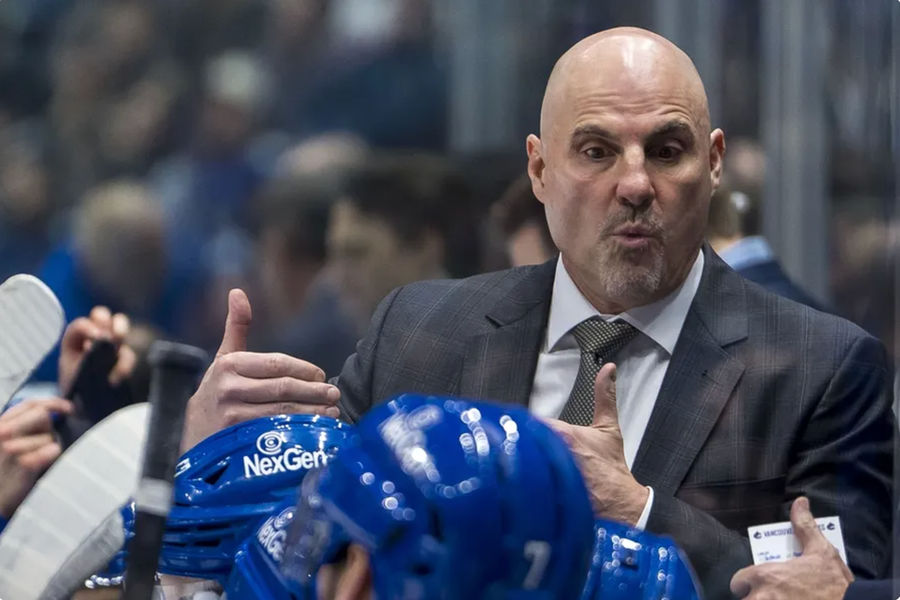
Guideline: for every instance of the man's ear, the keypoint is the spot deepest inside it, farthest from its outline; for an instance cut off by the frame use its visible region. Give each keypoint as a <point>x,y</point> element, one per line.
<point>716,156</point>
<point>355,582</point>
<point>535,148</point>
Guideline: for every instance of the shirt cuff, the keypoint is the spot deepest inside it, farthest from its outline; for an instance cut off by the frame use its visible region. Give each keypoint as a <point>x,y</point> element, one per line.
<point>645,515</point>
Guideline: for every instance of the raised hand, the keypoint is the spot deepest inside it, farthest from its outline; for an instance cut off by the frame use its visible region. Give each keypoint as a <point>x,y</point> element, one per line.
<point>599,451</point>
<point>241,385</point>
<point>79,336</point>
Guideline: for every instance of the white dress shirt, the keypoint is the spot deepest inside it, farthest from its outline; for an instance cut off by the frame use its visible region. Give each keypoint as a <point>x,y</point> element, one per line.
<point>640,365</point>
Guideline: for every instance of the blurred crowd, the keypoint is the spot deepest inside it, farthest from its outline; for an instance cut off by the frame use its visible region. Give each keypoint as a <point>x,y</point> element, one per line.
<point>155,154</point>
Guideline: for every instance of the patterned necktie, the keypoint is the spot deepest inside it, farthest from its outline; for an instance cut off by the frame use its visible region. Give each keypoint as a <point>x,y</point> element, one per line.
<point>599,341</point>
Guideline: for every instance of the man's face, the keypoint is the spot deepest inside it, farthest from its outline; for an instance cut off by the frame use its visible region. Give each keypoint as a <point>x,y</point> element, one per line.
<point>625,171</point>
<point>368,257</point>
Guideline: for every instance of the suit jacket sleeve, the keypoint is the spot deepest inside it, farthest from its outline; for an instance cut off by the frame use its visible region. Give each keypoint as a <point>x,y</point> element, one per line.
<point>355,380</point>
<point>842,461</point>
<point>872,590</point>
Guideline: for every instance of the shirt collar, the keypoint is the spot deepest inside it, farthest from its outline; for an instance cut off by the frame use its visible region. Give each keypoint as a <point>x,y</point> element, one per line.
<point>661,321</point>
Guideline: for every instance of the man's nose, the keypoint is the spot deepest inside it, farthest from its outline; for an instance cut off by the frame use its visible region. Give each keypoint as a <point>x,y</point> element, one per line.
<point>634,187</point>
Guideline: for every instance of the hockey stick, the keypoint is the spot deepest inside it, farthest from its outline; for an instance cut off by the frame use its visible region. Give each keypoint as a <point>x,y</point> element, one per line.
<point>176,371</point>
<point>31,322</point>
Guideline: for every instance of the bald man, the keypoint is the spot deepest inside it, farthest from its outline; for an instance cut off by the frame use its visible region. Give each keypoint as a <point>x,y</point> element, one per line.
<point>696,402</point>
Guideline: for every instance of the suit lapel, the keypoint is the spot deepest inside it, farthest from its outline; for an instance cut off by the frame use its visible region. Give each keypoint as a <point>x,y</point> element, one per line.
<point>499,364</point>
<point>699,380</point>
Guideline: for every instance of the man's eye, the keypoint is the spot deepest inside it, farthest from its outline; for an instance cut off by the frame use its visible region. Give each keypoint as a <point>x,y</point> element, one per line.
<point>668,153</point>
<point>596,152</point>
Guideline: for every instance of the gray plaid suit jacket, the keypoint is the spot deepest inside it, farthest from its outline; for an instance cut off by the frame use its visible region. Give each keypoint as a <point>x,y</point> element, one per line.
<point>764,400</point>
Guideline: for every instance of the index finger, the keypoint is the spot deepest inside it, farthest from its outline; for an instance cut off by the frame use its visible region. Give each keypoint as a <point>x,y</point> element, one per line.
<point>51,403</point>
<point>102,318</point>
<point>258,365</point>
<point>78,332</point>
<point>120,327</point>
<point>36,418</point>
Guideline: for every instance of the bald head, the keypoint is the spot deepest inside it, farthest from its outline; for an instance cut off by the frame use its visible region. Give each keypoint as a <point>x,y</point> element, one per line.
<point>625,166</point>
<point>638,60</point>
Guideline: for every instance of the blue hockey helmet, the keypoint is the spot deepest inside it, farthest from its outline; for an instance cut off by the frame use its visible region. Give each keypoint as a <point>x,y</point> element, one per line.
<point>232,480</point>
<point>632,564</point>
<point>452,499</point>
<point>257,571</point>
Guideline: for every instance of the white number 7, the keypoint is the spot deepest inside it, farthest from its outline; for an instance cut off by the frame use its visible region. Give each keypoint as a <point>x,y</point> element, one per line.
<point>538,552</point>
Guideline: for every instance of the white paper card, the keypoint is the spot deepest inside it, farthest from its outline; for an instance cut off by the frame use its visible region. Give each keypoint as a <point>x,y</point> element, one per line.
<point>775,542</point>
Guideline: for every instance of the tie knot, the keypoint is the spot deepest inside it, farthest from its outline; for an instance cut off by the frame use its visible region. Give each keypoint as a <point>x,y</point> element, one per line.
<point>603,338</point>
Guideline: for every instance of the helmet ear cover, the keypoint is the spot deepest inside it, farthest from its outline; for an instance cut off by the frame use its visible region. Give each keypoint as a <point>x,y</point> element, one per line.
<point>267,565</point>
<point>231,481</point>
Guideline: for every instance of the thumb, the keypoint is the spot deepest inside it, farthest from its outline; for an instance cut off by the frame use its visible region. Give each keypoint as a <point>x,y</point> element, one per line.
<point>605,411</point>
<point>805,528</point>
<point>237,323</point>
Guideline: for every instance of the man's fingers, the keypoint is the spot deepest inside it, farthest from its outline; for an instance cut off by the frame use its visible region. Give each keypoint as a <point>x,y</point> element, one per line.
<point>605,410</point>
<point>242,412</point>
<point>124,366</point>
<point>805,528</point>
<point>297,408</point>
<point>18,409</point>
<point>29,422</point>
<point>79,332</point>
<point>273,364</point>
<point>101,317</point>
<point>237,323</point>
<point>120,327</point>
<point>285,390</point>
<point>27,443</point>
<point>40,459</point>
<point>35,417</point>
